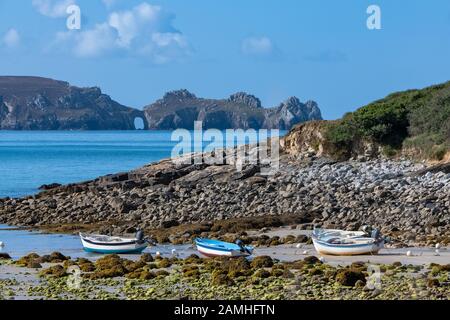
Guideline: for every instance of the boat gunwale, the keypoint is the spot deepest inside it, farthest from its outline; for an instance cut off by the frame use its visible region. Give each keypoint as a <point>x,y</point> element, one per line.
<point>126,242</point>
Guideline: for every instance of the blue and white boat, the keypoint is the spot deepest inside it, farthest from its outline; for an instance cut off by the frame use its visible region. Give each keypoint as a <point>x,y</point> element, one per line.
<point>113,245</point>
<point>216,248</point>
<point>346,243</point>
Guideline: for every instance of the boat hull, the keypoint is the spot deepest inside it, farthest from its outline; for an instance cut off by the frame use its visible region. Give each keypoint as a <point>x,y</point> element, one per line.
<point>212,253</point>
<point>347,250</point>
<point>127,248</point>
<point>213,248</point>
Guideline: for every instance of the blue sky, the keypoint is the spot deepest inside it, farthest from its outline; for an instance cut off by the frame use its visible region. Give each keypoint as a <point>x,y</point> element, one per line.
<point>318,49</point>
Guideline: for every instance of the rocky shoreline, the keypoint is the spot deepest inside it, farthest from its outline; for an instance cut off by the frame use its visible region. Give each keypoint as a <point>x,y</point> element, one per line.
<point>406,200</point>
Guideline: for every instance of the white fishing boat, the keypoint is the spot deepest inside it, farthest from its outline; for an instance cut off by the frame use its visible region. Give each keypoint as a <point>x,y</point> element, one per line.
<point>215,248</point>
<point>110,245</point>
<point>347,243</point>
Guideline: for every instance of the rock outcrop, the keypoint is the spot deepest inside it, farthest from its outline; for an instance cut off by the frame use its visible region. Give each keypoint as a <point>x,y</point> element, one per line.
<point>180,109</point>
<point>32,103</point>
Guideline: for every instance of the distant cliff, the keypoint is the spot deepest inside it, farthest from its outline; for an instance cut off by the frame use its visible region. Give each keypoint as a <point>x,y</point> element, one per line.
<point>33,103</point>
<point>180,109</point>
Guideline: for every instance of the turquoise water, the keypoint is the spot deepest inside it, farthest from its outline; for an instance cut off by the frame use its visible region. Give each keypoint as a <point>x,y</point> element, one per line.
<point>29,159</point>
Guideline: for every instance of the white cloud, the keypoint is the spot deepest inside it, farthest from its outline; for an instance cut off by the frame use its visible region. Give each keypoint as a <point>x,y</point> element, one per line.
<point>144,30</point>
<point>130,23</point>
<point>257,46</point>
<point>109,3</point>
<point>165,47</point>
<point>52,8</point>
<point>90,43</point>
<point>11,38</point>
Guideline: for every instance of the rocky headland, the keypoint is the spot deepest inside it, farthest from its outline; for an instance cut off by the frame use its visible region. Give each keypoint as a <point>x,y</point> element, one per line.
<point>180,109</point>
<point>34,103</point>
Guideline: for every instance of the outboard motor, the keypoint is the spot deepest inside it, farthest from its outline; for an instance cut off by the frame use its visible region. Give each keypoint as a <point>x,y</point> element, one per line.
<point>376,234</point>
<point>140,236</point>
<point>242,246</point>
<point>367,229</point>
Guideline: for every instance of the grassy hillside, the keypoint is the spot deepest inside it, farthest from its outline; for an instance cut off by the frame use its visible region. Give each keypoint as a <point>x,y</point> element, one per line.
<point>417,120</point>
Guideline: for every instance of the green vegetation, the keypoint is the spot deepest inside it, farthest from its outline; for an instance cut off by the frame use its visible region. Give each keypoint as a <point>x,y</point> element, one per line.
<point>416,119</point>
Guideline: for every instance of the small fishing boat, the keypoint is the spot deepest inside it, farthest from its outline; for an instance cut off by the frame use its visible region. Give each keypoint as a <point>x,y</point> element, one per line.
<point>110,245</point>
<point>347,243</point>
<point>216,248</point>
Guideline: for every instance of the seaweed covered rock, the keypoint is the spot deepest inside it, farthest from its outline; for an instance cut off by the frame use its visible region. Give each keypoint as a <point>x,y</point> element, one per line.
<point>433,282</point>
<point>28,259</point>
<point>85,265</point>
<point>296,265</point>
<point>113,272</point>
<point>439,267</point>
<point>312,260</point>
<point>54,257</point>
<point>262,273</point>
<point>108,262</point>
<point>56,271</point>
<point>275,241</point>
<point>164,263</point>
<point>193,258</point>
<point>146,257</point>
<point>287,274</point>
<point>132,266</point>
<point>141,274</point>
<point>219,278</point>
<point>34,265</point>
<point>162,273</point>
<point>5,256</point>
<point>147,275</point>
<point>262,262</point>
<point>58,257</point>
<point>236,267</point>
<point>110,266</point>
<point>347,277</point>
<point>315,271</point>
<point>191,271</point>
<point>358,266</point>
<point>301,238</point>
<point>276,272</point>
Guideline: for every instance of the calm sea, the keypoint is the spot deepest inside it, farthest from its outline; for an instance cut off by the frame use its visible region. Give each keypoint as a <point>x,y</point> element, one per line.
<point>29,159</point>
